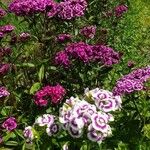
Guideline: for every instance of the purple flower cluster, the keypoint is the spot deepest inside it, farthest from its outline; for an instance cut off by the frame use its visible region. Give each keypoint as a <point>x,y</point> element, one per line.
<point>5,51</point>
<point>132,82</point>
<point>3,92</point>
<point>48,120</point>
<point>2,13</point>
<point>10,124</point>
<point>30,7</point>
<point>54,93</point>
<point>87,53</point>
<point>119,10</point>
<point>62,59</point>
<point>88,31</point>
<point>7,28</point>
<point>63,37</point>
<point>106,55</point>
<point>67,9</point>
<point>71,8</point>
<point>4,69</point>
<point>78,115</point>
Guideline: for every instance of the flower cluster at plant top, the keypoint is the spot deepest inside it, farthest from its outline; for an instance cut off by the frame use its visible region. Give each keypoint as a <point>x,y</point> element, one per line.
<point>2,13</point>
<point>70,9</point>
<point>87,53</point>
<point>63,37</point>
<point>67,9</point>
<point>77,115</point>
<point>134,81</point>
<point>54,93</point>
<point>7,28</point>
<point>10,124</point>
<point>119,10</point>
<point>3,92</point>
<point>4,69</point>
<point>90,116</point>
<point>88,31</point>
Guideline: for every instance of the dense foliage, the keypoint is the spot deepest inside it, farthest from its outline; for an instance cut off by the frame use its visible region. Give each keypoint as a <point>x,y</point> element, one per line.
<point>74,75</point>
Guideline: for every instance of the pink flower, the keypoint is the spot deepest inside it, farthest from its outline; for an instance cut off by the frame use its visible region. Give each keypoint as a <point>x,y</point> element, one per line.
<point>88,31</point>
<point>10,124</point>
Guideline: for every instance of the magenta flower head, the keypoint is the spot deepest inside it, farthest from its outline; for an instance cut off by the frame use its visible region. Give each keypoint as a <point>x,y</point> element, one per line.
<point>70,9</point>
<point>1,35</point>
<point>88,31</point>
<point>10,124</point>
<point>53,93</point>
<point>24,37</point>
<point>3,92</point>
<point>7,28</point>
<point>119,10</point>
<point>57,94</point>
<point>62,59</point>
<point>63,37</point>
<point>4,69</point>
<point>2,13</point>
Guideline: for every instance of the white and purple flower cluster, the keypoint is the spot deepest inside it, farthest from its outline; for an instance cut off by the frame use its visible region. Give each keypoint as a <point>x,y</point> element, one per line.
<point>93,117</point>
<point>134,81</point>
<point>29,134</point>
<point>46,120</point>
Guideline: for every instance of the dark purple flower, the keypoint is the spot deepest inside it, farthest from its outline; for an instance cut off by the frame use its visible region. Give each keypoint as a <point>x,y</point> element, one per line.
<point>7,28</point>
<point>119,10</point>
<point>2,13</point>
<point>4,69</point>
<point>70,9</point>
<point>31,7</point>
<point>88,31</point>
<point>3,92</point>
<point>10,124</point>
<point>62,59</point>
<point>24,37</point>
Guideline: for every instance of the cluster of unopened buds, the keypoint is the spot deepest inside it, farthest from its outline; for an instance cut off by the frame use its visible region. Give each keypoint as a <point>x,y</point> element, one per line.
<point>90,115</point>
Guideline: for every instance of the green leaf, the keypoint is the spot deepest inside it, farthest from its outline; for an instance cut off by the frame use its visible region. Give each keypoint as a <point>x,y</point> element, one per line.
<point>146,130</point>
<point>31,65</point>
<point>41,73</point>
<point>11,143</point>
<point>35,87</point>
<point>8,136</point>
